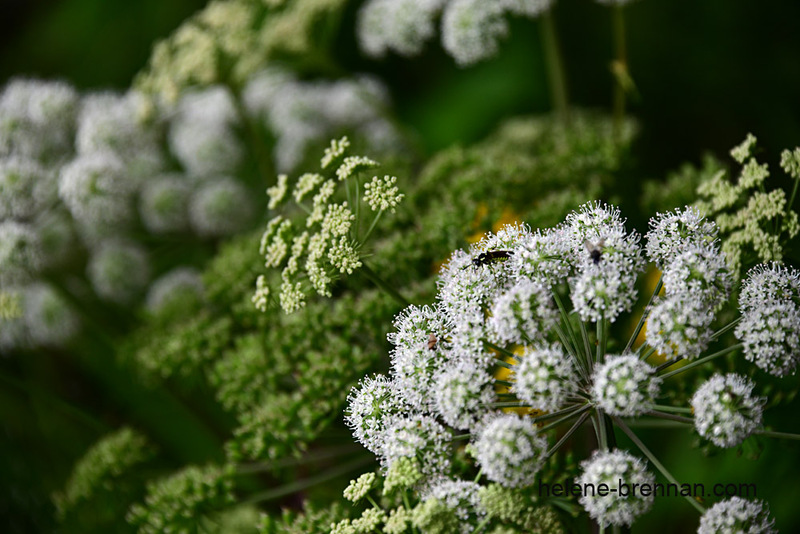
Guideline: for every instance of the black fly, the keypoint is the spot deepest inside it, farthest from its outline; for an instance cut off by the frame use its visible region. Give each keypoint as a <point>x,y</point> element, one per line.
<point>595,249</point>
<point>493,256</point>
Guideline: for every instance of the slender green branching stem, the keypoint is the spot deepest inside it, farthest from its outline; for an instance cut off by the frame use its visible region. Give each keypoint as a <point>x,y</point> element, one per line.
<point>619,68</point>
<point>573,337</point>
<point>300,485</point>
<point>668,364</point>
<point>514,404</point>
<point>501,363</point>
<point>645,314</point>
<point>555,68</point>
<point>309,458</point>
<point>671,417</point>
<point>561,420</point>
<point>587,346</point>
<point>383,286</point>
<point>779,435</point>
<point>568,433</point>
<point>673,409</point>
<point>701,361</point>
<point>572,410</point>
<point>725,328</point>
<point>650,456</point>
<point>505,352</point>
<point>505,383</point>
<point>371,227</point>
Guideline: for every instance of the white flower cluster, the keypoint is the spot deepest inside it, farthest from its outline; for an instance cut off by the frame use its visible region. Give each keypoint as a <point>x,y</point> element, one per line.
<point>725,410</point>
<point>612,469</point>
<point>326,244</point>
<point>770,325</point>
<point>300,113</point>
<point>471,29</point>
<point>737,515</point>
<point>696,282</point>
<point>84,166</point>
<point>625,385</point>
<point>545,378</point>
<point>499,353</point>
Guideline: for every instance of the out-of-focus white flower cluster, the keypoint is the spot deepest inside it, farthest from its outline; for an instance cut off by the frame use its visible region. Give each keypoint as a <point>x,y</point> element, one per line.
<point>325,245</point>
<point>471,29</point>
<point>301,114</point>
<point>500,338</point>
<point>94,182</point>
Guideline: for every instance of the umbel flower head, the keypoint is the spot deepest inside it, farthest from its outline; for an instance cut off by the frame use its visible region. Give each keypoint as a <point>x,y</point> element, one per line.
<point>725,410</point>
<point>313,252</point>
<point>737,515</point>
<point>614,469</point>
<point>501,361</point>
<point>471,29</point>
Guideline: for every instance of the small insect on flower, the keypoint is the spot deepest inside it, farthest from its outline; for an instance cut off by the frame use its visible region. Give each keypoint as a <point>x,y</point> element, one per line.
<point>432,341</point>
<point>493,256</point>
<point>595,249</point>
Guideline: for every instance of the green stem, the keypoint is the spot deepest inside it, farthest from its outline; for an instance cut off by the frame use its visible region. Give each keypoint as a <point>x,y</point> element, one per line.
<point>378,281</point>
<point>554,64</point>
<point>300,485</point>
<point>620,68</point>
<point>650,456</point>
<point>564,419</point>
<point>505,352</point>
<point>779,435</point>
<point>645,314</point>
<point>568,434</point>
<point>601,341</point>
<point>516,404</point>
<point>505,383</point>
<point>673,409</point>
<point>314,456</point>
<point>574,338</point>
<point>701,361</point>
<point>587,345</point>
<point>371,227</point>
<point>725,328</point>
<point>671,417</point>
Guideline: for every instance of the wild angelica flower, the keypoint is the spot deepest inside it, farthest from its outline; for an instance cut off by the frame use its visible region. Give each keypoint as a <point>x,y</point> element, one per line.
<point>625,385</point>
<point>329,241</point>
<point>119,271</point>
<point>179,287</point>
<point>417,353</point>
<point>371,409</point>
<point>113,123</point>
<point>202,134</point>
<point>613,469</point>
<point>725,409</point>
<point>471,29</point>
<point>358,489</point>
<point>463,393</point>
<point>737,515</point>
<point>402,26</point>
<point>525,311</point>
<point>37,118</point>
<point>679,326</point>
<point>700,272</point>
<point>97,191</point>
<point>49,320</point>
<point>510,450</point>
<point>500,312</point>
<point>608,260</point>
<point>770,326</point>
<point>220,207</point>
<point>164,203</point>
<point>461,497</point>
<point>545,377</point>
<point>419,437</point>
<point>20,252</point>
<point>673,231</point>
<point>26,188</point>
<point>381,194</point>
